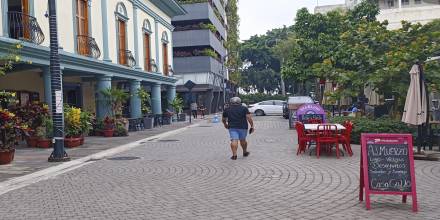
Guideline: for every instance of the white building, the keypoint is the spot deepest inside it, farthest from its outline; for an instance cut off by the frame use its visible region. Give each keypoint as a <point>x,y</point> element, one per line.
<point>422,11</point>
<point>103,43</point>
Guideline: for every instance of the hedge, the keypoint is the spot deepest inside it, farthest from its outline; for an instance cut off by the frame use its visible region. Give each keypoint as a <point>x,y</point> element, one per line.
<point>259,97</point>
<point>378,125</point>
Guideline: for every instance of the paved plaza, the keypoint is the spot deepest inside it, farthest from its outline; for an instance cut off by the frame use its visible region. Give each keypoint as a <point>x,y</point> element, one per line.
<point>189,176</point>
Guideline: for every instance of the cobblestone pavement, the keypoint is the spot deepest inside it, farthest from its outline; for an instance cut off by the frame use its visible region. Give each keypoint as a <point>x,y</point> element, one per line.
<point>28,160</point>
<point>190,176</point>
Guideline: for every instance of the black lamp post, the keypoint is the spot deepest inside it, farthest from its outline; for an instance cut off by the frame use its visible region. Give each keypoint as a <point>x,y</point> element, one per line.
<point>58,154</point>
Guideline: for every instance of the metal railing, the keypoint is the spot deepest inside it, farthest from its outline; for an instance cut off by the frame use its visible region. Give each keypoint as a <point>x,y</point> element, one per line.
<point>87,46</point>
<point>126,58</point>
<point>24,27</point>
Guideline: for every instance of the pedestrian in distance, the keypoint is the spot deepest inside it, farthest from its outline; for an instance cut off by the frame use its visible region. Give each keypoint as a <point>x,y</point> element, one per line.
<point>236,118</point>
<point>202,110</point>
<point>194,109</point>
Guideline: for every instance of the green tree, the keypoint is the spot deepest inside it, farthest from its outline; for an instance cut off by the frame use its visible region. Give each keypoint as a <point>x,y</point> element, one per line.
<point>352,49</point>
<point>261,69</point>
<point>232,44</point>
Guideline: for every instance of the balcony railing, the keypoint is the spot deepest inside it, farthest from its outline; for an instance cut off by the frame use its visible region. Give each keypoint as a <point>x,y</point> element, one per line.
<point>126,58</point>
<point>24,27</point>
<point>87,46</point>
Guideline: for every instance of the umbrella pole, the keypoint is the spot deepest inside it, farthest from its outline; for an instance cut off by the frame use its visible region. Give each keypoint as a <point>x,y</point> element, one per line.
<point>419,139</point>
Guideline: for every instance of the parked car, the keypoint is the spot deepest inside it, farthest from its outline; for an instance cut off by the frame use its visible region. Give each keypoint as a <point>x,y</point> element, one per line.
<point>294,102</point>
<point>269,107</point>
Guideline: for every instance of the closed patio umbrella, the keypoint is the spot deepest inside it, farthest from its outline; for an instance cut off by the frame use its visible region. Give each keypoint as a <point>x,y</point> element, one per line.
<point>416,110</point>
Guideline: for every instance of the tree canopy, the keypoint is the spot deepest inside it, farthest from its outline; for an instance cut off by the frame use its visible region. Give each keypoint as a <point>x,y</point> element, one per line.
<point>352,49</point>
<point>261,66</point>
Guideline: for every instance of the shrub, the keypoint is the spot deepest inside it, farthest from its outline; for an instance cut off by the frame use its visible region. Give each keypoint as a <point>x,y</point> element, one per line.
<point>258,97</point>
<point>209,52</point>
<point>378,125</point>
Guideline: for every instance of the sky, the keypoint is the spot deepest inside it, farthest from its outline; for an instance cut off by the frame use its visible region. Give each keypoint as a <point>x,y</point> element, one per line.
<point>259,16</point>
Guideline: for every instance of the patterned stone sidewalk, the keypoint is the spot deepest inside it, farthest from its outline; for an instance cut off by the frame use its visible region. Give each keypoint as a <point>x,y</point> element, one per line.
<point>28,160</point>
<point>190,176</point>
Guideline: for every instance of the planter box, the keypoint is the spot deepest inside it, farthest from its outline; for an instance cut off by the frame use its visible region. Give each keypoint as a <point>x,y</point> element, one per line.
<point>181,117</point>
<point>72,142</point>
<point>6,156</point>
<point>44,143</point>
<point>148,122</point>
<point>108,133</point>
<point>166,120</point>
<point>32,141</point>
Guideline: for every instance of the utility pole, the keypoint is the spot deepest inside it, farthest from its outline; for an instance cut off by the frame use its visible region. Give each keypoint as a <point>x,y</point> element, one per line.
<point>58,153</point>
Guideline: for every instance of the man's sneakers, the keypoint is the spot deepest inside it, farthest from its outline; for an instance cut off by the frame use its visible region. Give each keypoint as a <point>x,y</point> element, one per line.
<point>245,154</point>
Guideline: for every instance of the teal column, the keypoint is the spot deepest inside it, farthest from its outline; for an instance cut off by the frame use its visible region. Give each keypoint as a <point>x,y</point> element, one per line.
<point>135,101</point>
<point>102,107</point>
<point>171,95</point>
<point>156,33</point>
<point>156,98</point>
<point>105,31</point>
<point>5,18</point>
<point>47,87</point>
<point>136,36</point>
<point>31,8</point>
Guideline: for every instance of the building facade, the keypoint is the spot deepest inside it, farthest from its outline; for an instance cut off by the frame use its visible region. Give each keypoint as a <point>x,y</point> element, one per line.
<point>395,11</point>
<point>123,44</point>
<point>200,52</point>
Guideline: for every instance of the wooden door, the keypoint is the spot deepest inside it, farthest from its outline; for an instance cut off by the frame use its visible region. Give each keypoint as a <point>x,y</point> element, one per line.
<point>147,63</point>
<point>121,43</point>
<point>82,26</point>
<point>165,58</point>
<point>25,19</point>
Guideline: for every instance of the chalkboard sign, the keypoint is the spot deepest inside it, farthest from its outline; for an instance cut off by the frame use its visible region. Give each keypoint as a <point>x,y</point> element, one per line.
<point>387,166</point>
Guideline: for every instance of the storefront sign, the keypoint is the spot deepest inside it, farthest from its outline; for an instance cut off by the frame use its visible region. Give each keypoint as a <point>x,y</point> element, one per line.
<point>387,167</point>
<point>310,111</point>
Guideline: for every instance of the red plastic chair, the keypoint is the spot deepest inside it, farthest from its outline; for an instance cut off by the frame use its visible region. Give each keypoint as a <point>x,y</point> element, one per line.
<point>327,134</point>
<point>345,137</point>
<point>303,138</point>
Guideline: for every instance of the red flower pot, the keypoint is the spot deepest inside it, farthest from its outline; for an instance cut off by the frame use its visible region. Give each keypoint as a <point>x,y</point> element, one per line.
<point>108,133</point>
<point>32,141</point>
<point>6,156</point>
<point>44,143</point>
<point>72,142</point>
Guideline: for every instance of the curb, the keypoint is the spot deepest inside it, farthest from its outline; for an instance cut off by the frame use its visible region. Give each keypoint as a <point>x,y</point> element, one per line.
<point>52,172</point>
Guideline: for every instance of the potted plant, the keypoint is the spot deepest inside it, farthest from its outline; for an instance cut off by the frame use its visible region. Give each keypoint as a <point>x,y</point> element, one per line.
<point>32,115</point>
<point>177,105</point>
<point>109,125</point>
<point>167,117</point>
<point>97,127</point>
<point>72,126</point>
<point>86,119</point>
<point>11,129</point>
<point>121,122</point>
<point>45,133</point>
<point>148,120</point>
<point>120,129</point>
<point>115,98</point>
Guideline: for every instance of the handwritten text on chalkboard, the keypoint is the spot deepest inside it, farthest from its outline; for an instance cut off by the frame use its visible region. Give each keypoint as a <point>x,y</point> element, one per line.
<point>388,167</point>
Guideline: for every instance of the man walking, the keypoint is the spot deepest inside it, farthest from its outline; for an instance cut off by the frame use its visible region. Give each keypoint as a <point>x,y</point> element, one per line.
<point>235,119</point>
<point>194,109</point>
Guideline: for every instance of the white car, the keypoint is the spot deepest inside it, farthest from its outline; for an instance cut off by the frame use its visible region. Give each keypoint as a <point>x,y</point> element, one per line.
<point>269,107</point>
